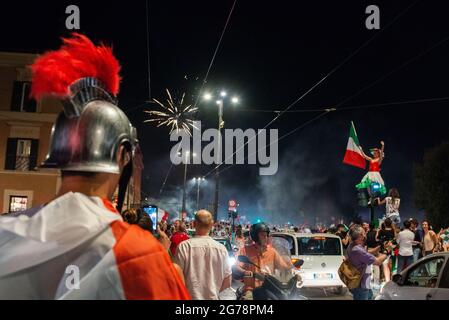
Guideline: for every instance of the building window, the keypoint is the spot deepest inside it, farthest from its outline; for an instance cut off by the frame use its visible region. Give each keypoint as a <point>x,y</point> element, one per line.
<point>18,203</point>
<point>21,100</point>
<point>21,154</point>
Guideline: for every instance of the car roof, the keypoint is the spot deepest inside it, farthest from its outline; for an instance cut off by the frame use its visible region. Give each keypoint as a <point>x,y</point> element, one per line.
<point>437,254</point>
<point>306,235</point>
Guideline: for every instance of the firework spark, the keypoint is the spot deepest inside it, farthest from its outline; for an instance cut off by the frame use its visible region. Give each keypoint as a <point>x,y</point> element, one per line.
<point>173,116</point>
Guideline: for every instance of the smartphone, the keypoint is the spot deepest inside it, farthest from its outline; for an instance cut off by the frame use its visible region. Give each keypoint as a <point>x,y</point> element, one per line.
<point>151,211</point>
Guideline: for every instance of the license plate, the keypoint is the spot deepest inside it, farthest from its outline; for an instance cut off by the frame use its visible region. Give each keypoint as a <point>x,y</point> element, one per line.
<point>322,276</point>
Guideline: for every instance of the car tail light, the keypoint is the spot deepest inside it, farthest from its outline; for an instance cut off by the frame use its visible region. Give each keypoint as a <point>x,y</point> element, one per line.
<point>293,260</point>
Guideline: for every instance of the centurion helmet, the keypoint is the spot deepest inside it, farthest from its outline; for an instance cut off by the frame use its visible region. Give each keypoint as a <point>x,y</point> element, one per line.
<point>90,130</point>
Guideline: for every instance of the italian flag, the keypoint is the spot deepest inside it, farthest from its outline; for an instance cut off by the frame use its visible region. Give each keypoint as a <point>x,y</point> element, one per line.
<point>162,215</point>
<point>353,155</point>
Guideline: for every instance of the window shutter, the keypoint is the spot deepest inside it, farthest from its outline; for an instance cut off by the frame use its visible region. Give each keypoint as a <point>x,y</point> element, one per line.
<point>16,96</point>
<point>34,153</point>
<point>29,104</point>
<point>11,149</point>
<point>22,89</point>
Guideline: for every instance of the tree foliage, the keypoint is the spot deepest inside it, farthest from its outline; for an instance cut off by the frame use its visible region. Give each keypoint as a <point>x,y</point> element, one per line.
<point>431,182</point>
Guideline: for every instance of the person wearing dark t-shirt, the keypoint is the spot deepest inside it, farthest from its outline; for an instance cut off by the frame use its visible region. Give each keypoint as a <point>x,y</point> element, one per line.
<point>371,241</point>
<point>386,235</point>
<point>417,248</point>
<point>342,232</point>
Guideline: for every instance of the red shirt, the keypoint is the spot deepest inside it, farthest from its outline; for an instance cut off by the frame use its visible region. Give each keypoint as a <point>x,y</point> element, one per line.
<point>176,239</point>
<point>374,166</point>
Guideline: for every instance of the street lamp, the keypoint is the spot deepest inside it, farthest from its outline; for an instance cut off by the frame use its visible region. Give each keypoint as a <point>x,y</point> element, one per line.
<point>187,157</point>
<point>223,94</point>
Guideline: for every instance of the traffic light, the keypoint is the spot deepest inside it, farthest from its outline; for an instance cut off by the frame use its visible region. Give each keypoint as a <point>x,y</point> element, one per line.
<point>362,198</point>
<point>232,214</point>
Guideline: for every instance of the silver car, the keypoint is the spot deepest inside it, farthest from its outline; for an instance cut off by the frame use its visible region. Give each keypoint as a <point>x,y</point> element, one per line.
<point>427,279</point>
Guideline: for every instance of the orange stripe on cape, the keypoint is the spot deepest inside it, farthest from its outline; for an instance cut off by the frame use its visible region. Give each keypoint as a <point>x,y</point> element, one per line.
<point>145,268</point>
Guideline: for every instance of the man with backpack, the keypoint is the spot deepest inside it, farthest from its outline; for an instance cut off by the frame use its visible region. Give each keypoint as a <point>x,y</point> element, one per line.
<point>356,270</point>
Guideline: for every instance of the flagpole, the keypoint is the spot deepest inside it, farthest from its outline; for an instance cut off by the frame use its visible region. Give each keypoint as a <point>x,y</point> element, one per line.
<point>353,126</point>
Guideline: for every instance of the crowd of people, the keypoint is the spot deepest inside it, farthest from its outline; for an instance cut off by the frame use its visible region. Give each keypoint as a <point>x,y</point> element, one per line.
<point>400,246</point>
<point>387,249</point>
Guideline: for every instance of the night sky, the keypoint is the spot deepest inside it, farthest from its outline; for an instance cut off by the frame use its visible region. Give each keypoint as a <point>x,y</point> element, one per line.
<point>271,54</point>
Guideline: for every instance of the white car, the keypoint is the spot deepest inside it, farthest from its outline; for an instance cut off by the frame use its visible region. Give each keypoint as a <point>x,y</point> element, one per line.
<point>427,279</point>
<point>322,254</point>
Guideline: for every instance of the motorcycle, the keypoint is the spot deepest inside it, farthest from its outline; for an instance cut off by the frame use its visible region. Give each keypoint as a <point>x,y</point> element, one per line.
<point>276,284</point>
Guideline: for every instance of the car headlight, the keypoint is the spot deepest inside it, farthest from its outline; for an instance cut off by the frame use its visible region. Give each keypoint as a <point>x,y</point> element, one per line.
<point>232,261</point>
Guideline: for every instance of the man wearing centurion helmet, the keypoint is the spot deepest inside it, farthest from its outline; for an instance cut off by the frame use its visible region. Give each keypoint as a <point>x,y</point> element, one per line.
<point>77,246</point>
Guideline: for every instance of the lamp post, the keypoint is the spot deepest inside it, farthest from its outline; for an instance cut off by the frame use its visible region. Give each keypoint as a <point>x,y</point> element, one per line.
<point>198,182</point>
<point>186,159</point>
<point>220,103</point>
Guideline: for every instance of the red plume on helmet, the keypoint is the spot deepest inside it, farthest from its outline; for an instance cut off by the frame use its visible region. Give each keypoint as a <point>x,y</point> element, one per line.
<point>78,58</point>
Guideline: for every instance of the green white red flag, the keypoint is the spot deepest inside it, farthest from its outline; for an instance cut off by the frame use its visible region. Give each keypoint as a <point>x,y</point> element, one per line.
<point>353,155</point>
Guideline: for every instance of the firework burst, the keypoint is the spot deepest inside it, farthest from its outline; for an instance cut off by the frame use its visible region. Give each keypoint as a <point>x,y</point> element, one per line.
<point>173,116</point>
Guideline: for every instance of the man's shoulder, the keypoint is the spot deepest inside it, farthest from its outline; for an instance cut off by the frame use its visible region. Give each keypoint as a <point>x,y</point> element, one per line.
<point>208,242</point>
<point>192,242</point>
<point>248,248</point>
<point>357,249</point>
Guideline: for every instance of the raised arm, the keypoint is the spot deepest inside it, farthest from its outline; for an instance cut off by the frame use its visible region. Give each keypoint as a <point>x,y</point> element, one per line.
<point>382,152</point>
<point>377,236</point>
<point>364,155</point>
<point>280,263</point>
<point>381,202</point>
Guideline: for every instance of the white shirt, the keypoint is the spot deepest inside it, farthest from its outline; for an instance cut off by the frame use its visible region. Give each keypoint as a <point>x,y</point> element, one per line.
<point>392,208</point>
<point>205,265</point>
<point>405,239</point>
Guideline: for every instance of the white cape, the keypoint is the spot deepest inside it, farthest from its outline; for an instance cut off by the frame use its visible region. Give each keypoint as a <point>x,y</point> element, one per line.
<point>38,255</point>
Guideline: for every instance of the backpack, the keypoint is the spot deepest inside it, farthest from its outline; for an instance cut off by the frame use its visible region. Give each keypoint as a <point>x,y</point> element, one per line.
<point>349,275</point>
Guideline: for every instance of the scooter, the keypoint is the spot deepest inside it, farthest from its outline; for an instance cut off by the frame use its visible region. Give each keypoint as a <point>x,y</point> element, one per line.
<point>272,287</point>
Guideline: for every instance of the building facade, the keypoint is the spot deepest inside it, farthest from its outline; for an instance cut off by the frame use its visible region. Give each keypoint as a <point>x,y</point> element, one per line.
<point>25,128</point>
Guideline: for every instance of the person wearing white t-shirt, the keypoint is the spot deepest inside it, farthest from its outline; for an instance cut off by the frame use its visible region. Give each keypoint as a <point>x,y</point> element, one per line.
<point>204,261</point>
<point>392,204</point>
<point>405,240</point>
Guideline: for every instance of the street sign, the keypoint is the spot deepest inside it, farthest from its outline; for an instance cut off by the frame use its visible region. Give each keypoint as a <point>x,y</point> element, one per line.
<point>232,205</point>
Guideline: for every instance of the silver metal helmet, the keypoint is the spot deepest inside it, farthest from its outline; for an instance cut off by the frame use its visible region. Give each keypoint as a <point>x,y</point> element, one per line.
<point>88,134</point>
<point>91,129</point>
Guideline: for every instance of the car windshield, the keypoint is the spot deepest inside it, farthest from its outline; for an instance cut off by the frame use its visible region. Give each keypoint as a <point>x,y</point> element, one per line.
<point>319,246</point>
